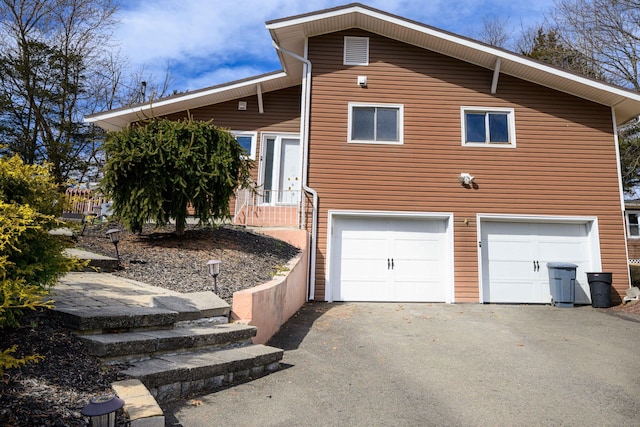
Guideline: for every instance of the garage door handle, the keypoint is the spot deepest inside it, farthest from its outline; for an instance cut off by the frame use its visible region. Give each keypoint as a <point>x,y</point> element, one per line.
<point>388,264</point>
<point>392,263</point>
<point>534,266</point>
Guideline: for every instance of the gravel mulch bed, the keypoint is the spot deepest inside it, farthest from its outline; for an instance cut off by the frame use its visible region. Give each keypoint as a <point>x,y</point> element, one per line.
<point>53,391</point>
<point>160,258</point>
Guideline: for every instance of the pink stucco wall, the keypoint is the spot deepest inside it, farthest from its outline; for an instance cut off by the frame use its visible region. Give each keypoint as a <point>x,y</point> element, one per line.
<point>269,305</point>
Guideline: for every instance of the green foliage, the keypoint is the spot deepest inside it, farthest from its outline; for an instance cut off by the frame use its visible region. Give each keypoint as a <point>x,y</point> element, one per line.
<point>52,56</point>
<point>7,361</point>
<point>31,259</point>
<point>548,47</point>
<point>629,142</point>
<point>29,185</point>
<point>156,169</point>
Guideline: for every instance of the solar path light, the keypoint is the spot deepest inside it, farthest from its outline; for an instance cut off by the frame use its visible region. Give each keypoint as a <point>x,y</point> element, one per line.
<point>102,410</point>
<point>114,236</point>
<point>214,269</point>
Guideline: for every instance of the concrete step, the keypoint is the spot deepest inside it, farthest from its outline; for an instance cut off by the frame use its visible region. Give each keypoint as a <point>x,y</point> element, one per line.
<point>172,377</point>
<point>144,344</point>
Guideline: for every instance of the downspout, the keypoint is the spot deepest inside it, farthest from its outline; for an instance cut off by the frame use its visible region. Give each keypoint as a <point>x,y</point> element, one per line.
<point>304,133</point>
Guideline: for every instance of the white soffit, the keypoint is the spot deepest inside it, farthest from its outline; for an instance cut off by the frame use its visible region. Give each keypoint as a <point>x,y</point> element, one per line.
<point>287,32</point>
<point>291,34</point>
<point>119,118</point>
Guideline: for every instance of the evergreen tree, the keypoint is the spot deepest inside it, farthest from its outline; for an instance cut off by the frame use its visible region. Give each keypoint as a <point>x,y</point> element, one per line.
<point>155,170</point>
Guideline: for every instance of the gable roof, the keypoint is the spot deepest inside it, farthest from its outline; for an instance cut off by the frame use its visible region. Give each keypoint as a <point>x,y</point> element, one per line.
<point>291,33</point>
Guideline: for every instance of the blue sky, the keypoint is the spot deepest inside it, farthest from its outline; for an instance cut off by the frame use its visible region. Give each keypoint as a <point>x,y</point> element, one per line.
<point>207,42</point>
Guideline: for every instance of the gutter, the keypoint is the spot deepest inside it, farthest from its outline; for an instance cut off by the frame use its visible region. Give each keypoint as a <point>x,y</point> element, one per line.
<point>304,133</point>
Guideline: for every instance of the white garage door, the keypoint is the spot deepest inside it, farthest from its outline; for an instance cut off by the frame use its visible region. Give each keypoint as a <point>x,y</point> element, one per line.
<point>389,259</point>
<point>515,257</point>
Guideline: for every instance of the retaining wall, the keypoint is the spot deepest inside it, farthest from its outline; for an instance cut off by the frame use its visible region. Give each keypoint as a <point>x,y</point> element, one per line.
<point>270,305</point>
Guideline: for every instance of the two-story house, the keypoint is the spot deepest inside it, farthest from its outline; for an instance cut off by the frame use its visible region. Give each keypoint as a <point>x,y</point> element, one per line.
<point>425,166</point>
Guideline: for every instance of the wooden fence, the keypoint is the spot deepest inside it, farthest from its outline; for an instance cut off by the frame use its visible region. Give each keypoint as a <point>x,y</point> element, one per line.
<point>82,201</point>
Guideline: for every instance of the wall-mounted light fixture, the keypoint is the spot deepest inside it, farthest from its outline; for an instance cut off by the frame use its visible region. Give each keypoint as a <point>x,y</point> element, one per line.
<point>362,81</point>
<point>466,179</point>
<point>242,105</point>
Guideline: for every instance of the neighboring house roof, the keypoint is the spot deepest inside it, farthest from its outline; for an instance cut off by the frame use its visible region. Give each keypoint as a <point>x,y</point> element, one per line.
<point>632,204</point>
<point>291,33</point>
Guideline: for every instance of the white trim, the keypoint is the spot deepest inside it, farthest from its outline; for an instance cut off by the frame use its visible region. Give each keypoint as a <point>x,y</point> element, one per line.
<point>358,42</point>
<point>399,107</point>
<point>593,235</point>
<point>278,136</point>
<point>627,225</point>
<point>432,32</point>
<point>511,123</point>
<point>259,95</point>
<point>496,76</point>
<point>619,167</point>
<point>189,96</point>
<point>447,216</point>
<point>254,140</point>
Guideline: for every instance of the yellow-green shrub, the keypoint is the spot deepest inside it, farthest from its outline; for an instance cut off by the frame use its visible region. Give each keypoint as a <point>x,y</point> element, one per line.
<point>31,259</point>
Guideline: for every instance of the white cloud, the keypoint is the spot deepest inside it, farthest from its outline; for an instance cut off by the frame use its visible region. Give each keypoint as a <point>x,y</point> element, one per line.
<point>203,39</point>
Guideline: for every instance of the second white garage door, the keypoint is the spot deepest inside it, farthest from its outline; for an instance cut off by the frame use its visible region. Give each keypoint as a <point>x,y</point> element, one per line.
<point>389,259</point>
<point>515,257</point>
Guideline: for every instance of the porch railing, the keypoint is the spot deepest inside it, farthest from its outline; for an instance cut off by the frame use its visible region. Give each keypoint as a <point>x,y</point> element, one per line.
<point>267,208</point>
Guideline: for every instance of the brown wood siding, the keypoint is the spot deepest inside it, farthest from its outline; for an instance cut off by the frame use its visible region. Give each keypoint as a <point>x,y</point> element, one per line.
<point>564,162</point>
<point>281,115</point>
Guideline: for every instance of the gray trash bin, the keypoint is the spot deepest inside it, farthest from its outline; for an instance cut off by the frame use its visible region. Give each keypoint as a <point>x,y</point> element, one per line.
<point>562,283</point>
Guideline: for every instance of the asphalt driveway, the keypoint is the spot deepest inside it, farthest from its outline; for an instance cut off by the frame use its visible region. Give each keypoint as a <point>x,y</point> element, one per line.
<point>439,365</point>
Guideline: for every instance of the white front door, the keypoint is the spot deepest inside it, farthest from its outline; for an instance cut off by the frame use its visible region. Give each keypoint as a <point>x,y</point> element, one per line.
<point>281,177</point>
<point>389,259</point>
<point>515,257</point>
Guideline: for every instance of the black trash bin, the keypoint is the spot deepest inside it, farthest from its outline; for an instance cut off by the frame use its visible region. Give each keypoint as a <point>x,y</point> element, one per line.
<point>562,283</point>
<point>600,287</point>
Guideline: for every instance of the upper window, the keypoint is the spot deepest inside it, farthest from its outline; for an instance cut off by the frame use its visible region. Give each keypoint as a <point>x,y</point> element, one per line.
<point>488,126</point>
<point>633,228</point>
<point>375,123</point>
<point>247,141</point>
<point>356,51</point>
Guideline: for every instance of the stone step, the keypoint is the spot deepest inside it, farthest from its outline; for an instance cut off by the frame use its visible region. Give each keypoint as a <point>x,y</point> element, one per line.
<point>103,263</point>
<point>163,313</point>
<point>144,344</point>
<point>115,318</point>
<point>172,377</point>
<point>193,305</point>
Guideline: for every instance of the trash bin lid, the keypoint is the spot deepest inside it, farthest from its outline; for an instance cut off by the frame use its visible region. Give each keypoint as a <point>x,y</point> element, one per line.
<point>561,265</point>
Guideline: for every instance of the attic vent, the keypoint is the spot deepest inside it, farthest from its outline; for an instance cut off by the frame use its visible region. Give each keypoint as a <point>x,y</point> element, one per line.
<point>356,51</point>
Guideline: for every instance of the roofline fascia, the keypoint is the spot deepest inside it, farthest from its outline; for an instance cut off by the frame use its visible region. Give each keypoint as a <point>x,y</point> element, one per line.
<point>431,31</point>
<point>188,96</point>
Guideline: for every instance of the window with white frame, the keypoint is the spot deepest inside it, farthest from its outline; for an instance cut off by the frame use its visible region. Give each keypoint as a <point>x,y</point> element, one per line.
<point>375,123</point>
<point>247,140</point>
<point>483,126</point>
<point>633,228</point>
